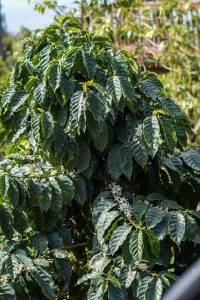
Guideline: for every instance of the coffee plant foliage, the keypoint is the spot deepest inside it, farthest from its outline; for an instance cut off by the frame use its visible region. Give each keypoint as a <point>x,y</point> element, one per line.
<point>99,193</point>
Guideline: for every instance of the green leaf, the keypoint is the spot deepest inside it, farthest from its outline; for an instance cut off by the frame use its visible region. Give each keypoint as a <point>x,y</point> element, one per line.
<point>192,159</point>
<point>138,148</point>
<point>104,222</point>
<point>54,76</point>
<point>20,220</point>
<point>45,281</point>
<point>155,197</point>
<point>39,242</point>
<point>84,155</point>
<point>125,161</point>
<point>95,292</point>
<point>78,108</point>
<point>63,265</point>
<point>7,96</point>
<point>17,100</point>
<point>90,64</point>
<point>119,65</point>
<point>12,266</point>
<point>67,187</point>
<point>47,124</point>
<point>181,135</point>
<point>151,131</point>
<point>95,106</point>
<point>101,140</point>
<point>113,162</point>
<point>65,233</point>
<point>59,141</point>
<point>176,226</point>
<point>13,193</point>
<point>7,292</point>
<point>6,220</point>
<point>131,275</point>
<point>115,293</point>
<point>139,208</point>
<point>169,204</point>
<point>113,86</point>
<point>80,190</point>
<point>66,88</point>
<point>151,86</point>
<point>169,132</point>
<point>172,107</point>
<point>25,260</point>
<point>20,286</point>
<point>118,237</point>
<point>44,58</point>
<point>4,185</point>
<point>57,201</point>
<point>46,196</point>
<point>35,125</point>
<point>174,163</point>
<point>40,93</point>
<point>102,203</point>
<point>149,288</point>
<point>191,228</point>
<point>154,243</point>
<point>154,215</point>
<point>136,245</point>
<point>55,240</point>
<point>127,89</point>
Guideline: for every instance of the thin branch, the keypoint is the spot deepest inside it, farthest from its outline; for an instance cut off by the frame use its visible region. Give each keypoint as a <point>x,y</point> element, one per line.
<point>78,245</point>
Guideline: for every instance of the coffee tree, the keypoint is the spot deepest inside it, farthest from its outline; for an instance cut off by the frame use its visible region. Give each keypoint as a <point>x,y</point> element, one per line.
<point>99,194</point>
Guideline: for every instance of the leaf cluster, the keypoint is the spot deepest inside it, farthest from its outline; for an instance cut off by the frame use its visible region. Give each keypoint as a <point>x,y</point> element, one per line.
<point>75,117</point>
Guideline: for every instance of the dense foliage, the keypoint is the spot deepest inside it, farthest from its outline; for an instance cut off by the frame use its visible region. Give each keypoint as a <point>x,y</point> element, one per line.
<point>98,192</point>
<point>164,36</point>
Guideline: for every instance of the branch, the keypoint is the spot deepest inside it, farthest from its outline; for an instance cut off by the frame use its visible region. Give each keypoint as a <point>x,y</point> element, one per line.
<point>78,245</point>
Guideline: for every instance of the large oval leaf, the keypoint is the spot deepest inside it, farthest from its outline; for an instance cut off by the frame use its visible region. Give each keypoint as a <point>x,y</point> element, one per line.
<point>176,226</point>
<point>136,245</point>
<point>118,237</point>
<point>192,158</point>
<point>151,131</point>
<point>113,162</point>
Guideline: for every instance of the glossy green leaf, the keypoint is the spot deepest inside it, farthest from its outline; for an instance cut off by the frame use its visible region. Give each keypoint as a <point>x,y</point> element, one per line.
<point>78,107</point>
<point>136,245</point>
<point>115,293</point>
<point>192,158</point>
<point>176,226</point>
<point>125,161</point>
<point>118,237</point>
<point>104,222</point>
<point>47,124</point>
<point>138,148</point>
<point>150,288</point>
<point>139,208</point>
<point>54,76</point>
<point>169,132</point>
<point>113,86</point>
<point>90,64</point>
<point>7,292</point>
<point>151,131</point>
<point>95,106</point>
<point>113,162</point>
<point>44,280</point>
<point>154,215</point>
<point>4,185</point>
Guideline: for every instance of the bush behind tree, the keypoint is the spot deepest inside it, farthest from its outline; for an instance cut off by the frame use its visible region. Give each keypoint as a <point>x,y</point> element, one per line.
<point>99,194</point>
